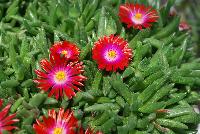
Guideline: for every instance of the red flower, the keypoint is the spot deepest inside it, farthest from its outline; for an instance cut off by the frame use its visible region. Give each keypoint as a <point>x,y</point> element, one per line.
<point>65,48</point>
<point>6,121</point>
<point>137,15</point>
<point>60,76</point>
<point>184,26</point>
<point>112,53</point>
<point>62,122</point>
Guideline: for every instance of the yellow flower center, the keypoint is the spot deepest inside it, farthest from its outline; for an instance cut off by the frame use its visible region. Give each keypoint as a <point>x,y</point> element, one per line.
<point>57,131</point>
<point>112,54</point>
<point>60,76</point>
<point>64,52</point>
<point>138,16</point>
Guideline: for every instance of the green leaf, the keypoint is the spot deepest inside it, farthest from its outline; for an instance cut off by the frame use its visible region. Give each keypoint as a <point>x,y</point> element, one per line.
<point>169,29</point>
<point>85,51</point>
<point>127,72</point>
<point>17,103</point>
<point>190,118</point>
<point>154,42</point>
<point>171,123</point>
<point>178,112</point>
<point>9,83</point>
<point>27,83</point>
<point>102,23</point>
<point>37,99</point>
<point>106,87</point>
<point>139,37</point>
<point>121,88</point>
<point>104,100</point>
<point>107,125</point>
<point>101,119</point>
<point>13,9</point>
<point>155,86</point>
<point>161,93</point>
<point>139,52</point>
<point>116,20</point>
<point>152,107</point>
<point>52,15</point>
<point>130,122</point>
<point>97,81</point>
<point>120,101</point>
<point>92,8</point>
<point>151,78</point>
<point>102,107</point>
<point>177,58</point>
<point>94,20</point>
<point>50,101</point>
<point>41,41</point>
<point>175,98</point>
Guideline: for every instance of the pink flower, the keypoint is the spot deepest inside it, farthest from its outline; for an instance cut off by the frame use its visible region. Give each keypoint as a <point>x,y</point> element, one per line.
<point>66,49</point>
<point>184,26</point>
<point>111,53</point>
<point>137,16</point>
<point>60,75</point>
<point>62,122</point>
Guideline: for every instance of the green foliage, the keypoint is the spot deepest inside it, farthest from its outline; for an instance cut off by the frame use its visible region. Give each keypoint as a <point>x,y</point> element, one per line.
<point>154,94</point>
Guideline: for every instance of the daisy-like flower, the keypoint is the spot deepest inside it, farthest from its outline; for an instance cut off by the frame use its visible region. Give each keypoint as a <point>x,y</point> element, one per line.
<point>62,122</point>
<point>184,26</point>
<point>111,53</point>
<point>59,75</point>
<point>66,49</point>
<point>137,16</point>
<point>6,121</point>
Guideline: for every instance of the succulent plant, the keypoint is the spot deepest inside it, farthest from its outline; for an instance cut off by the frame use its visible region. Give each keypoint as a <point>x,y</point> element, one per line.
<point>154,94</point>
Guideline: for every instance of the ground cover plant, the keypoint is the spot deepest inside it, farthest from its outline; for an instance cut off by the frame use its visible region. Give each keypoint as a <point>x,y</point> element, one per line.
<point>96,67</point>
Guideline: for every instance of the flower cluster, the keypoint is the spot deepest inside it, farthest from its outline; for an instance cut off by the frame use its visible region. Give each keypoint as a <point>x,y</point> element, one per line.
<point>63,72</point>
